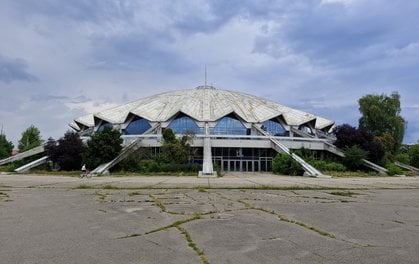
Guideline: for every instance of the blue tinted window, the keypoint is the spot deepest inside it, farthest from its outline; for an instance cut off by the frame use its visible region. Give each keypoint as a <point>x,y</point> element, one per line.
<point>274,128</point>
<point>137,127</point>
<point>229,125</point>
<point>183,124</point>
<point>103,125</point>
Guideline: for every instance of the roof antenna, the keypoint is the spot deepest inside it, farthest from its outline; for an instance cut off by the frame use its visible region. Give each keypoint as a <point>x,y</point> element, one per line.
<point>205,76</point>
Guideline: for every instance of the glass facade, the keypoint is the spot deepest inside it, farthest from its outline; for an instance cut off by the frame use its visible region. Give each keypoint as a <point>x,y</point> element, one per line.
<point>137,126</point>
<point>274,128</point>
<point>306,129</point>
<point>229,125</point>
<point>103,125</point>
<point>183,124</point>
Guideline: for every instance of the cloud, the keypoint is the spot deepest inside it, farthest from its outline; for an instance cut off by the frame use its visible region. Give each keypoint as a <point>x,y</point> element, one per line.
<point>14,70</point>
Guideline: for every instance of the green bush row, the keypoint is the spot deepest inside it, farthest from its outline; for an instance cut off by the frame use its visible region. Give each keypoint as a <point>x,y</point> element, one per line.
<point>393,169</point>
<point>284,164</point>
<point>152,166</point>
<point>327,166</point>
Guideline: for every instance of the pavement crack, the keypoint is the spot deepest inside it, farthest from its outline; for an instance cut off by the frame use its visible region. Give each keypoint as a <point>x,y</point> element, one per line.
<point>192,245</point>
<point>286,219</point>
<point>163,228</point>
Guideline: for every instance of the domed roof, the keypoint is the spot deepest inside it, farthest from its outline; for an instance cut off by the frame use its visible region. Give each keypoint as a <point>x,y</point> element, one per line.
<point>205,103</point>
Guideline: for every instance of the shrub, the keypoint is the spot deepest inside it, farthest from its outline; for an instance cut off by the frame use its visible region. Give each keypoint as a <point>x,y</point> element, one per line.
<point>393,169</point>
<point>327,166</point>
<point>354,156</point>
<point>348,136</point>
<point>67,152</point>
<point>403,158</point>
<point>285,164</point>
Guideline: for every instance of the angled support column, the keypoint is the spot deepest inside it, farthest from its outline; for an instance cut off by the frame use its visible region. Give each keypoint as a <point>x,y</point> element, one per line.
<point>28,153</point>
<point>333,149</point>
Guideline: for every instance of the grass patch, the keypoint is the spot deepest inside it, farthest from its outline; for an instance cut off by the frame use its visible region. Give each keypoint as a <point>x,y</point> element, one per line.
<point>47,172</point>
<point>84,186</point>
<point>110,187</point>
<point>134,193</point>
<point>349,174</point>
<point>348,193</point>
<point>101,196</point>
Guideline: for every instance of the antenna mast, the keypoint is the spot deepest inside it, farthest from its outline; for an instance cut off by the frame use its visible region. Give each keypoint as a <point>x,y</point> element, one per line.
<point>205,76</point>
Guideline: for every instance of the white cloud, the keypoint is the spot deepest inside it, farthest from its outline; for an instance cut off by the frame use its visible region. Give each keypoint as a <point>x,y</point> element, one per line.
<point>90,106</point>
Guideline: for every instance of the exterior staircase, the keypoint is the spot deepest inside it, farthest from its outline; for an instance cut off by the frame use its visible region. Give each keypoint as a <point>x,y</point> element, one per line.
<point>333,149</point>
<point>125,152</point>
<point>23,155</point>
<point>279,147</point>
<point>32,164</point>
<point>406,167</point>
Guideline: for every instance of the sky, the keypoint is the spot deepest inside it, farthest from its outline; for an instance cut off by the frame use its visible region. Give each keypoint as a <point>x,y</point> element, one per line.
<point>62,59</point>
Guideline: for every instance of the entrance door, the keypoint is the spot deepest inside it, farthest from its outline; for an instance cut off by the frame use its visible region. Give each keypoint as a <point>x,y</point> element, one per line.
<point>250,165</point>
<point>225,165</point>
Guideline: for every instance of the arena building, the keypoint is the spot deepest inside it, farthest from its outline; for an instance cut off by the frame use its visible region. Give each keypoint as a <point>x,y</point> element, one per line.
<point>237,131</point>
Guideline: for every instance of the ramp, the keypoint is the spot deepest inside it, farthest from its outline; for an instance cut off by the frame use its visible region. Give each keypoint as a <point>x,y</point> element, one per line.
<point>406,167</point>
<point>31,165</point>
<point>23,155</point>
<point>279,147</point>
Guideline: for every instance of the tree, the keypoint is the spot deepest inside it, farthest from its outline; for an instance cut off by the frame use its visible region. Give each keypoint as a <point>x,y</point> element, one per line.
<point>6,147</point>
<point>175,150</point>
<point>102,147</point>
<point>386,141</point>
<point>348,136</point>
<point>67,152</point>
<point>381,114</point>
<point>30,138</point>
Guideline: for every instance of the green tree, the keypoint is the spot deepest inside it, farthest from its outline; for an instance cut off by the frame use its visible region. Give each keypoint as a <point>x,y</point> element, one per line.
<point>381,114</point>
<point>102,147</point>
<point>175,150</point>
<point>67,152</point>
<point>6,147</point>
<point>30,139</point>
<point>354,156</point>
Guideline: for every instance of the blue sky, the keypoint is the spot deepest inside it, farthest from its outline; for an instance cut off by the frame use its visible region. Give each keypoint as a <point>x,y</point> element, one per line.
<point>62,59</point>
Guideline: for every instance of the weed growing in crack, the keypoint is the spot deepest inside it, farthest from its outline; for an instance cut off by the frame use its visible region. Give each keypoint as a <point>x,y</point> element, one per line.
<point>285,219</point>
<point>192,245</point>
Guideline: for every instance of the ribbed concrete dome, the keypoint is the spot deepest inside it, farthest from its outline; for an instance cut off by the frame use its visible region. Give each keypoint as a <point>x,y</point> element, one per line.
<point>205,104</point>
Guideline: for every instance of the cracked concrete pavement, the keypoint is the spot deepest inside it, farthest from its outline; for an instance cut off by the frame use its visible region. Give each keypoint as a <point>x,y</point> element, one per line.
<point>235,219</point>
